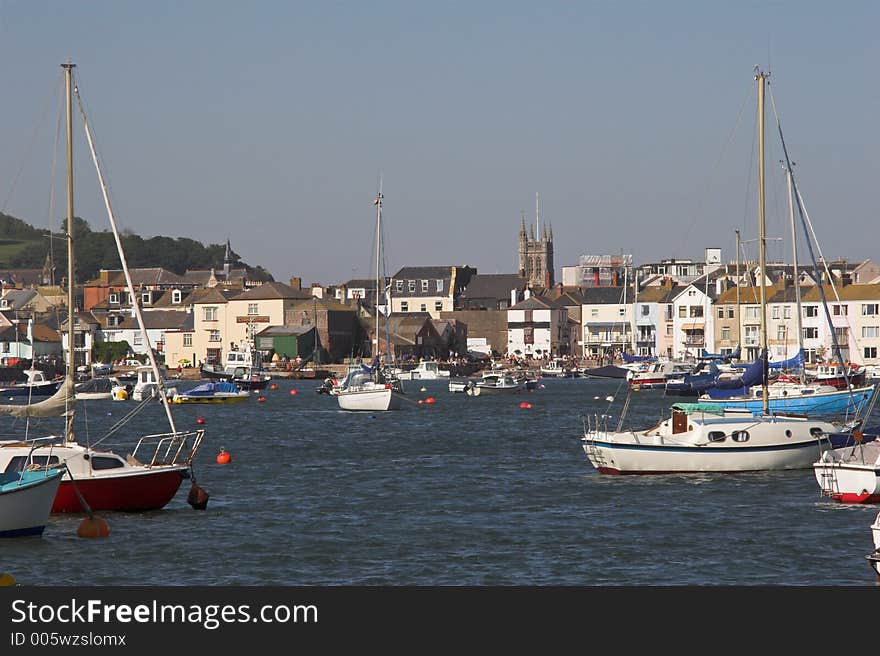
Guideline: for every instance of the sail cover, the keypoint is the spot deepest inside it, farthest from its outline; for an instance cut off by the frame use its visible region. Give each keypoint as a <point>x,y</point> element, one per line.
<point>57,405</point>
<point>792,363</point>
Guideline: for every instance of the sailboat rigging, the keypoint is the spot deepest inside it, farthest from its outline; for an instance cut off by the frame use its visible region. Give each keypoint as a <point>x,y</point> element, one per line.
<point>103,479</point>
<point>707,437</point>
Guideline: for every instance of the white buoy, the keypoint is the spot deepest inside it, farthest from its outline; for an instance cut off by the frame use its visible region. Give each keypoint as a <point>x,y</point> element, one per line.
<point>609,398</point>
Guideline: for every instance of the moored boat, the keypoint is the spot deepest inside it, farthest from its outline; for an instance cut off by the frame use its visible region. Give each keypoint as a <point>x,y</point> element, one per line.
<point>26,499</point>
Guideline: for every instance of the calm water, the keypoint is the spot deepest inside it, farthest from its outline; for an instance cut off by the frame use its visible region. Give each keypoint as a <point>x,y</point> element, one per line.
<point>465,491</point>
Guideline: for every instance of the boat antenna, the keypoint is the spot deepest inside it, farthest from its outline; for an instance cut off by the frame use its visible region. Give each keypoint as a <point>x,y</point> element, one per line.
<point>68,67</point>
<point>137,308</point>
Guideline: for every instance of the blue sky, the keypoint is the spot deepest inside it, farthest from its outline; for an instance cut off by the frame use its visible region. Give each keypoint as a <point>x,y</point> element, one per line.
<point>270,122</point>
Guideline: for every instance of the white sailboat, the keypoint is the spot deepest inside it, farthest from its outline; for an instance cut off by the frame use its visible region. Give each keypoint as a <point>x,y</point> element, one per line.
<point>369,388</point>
<point>102,478</point>
<point>706,437</point>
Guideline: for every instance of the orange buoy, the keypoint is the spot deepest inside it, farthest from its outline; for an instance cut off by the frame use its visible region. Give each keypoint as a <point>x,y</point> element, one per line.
<point>293,392</point>
<point>224,457</point>
<point>7,579</point>
<point>421,401</point>
<point>93,527</point>
<point>200,420</point>
<point>261,398</point>
<point>430,399</point>
<point>525,404</point>
<point>273,386</point>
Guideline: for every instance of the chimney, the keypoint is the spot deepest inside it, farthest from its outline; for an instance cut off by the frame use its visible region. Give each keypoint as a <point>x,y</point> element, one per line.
<point>512,297</point>
<point>845,279</point>
<point>596,277</point>
<point>667,282</point>
<point>527,293</point>
<point>296,283</point>
<point>343,290</point>
<point>615,281</point>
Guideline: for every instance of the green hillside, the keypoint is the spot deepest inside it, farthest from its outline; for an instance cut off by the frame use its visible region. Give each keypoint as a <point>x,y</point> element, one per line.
<point>24,247</point>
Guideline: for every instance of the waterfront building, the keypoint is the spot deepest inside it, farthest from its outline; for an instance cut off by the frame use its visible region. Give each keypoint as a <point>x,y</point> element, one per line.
<point>431,289</point>
<point>538,327</point>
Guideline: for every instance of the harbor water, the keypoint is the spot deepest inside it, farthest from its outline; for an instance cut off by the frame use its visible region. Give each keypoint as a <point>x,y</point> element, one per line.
<point>463,491</point>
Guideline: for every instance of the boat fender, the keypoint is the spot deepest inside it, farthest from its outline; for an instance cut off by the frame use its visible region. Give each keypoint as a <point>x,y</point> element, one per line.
<point>197,497</point>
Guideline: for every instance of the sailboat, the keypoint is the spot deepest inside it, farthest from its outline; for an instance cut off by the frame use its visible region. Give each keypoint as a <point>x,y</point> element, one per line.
<point>707,437</point>
<point>93,479</point>
<point>26,498</point>
<point>370,387</point>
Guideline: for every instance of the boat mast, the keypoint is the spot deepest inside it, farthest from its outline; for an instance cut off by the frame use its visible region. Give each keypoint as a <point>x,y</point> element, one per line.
<point>739,336</point>
<point>796,277</point>
<point>378,203</point>
<point>71,359</point>
<point>761,78</point>
<point>635,301</point>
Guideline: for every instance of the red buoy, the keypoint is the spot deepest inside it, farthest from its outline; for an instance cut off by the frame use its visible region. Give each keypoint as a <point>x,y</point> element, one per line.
<point>293,392</point>
<point>261,398</point>
<point>200,420</point>
<point>273,386</point>
<point>224,457</point>
<point>524,404</point>
<point>93,527</point>
<point>430,399</point>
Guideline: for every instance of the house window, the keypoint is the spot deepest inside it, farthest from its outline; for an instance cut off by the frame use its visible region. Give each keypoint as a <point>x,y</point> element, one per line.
<point>842,335</point>
<point>412,286</point>
<point>114,298</point>
<point>752,312</point>
<point>870,331</point>
<point>775,312</point>
<point>440,285</point>
<point>137,339</point>
<point>404,306</point>
<point>811,332</point>
<point>528,335</point>
<point>210,313</point>
<point>594,312</point>
<point>147,298</point>
<point>869,309</point>
<point>669,329</point>
<point>786,312</point>
<point>812,310</point>
<point>6,347</point>
<point>646,310</point>
<point>214,336</point>
<point>682,312</point>
<point>438,306</point>
<point>725,333</point>
<point>253,308</point>
<point>780,333</point>
<point>870,352</point>
<point>730,313</point>
<point>621,312</point>
<point>176,296</point>
<point>187,339</point>
<point>696,311</point>
<point>423,308</point>
<point>424,285</point>
<point>838,310</point>
<point>398,285</point>
<point>721,313</point>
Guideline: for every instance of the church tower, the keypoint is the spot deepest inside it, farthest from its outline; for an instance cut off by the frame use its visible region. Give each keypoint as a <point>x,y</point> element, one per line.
<point>228,261</point>
<point>536,252</point>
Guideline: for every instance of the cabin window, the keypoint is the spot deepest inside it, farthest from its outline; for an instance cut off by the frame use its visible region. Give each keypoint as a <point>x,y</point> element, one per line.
<point>18,463</point>
<point>816,432</point>
<point>176,296</point>
<point>740,436</point>
<point>788,432</point>
<point>114,298</point>
<point>105,462</point>
<point>621,312</point>
<point>404,306</point>
<point>594,312</point>
<point>717,436</point>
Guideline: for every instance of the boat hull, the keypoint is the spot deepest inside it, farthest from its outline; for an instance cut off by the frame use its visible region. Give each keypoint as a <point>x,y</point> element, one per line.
<point>24,510</point>
<point>150,490</point>
<point>38,389</point>
<point>189,400</point>
<point>370,400</point>
<point>831,403</point>
<point>611,458</point>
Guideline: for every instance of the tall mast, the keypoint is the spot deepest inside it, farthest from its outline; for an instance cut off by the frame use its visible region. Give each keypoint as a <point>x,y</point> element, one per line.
<point>761,78</point>
<point>635,301</point>
<point>378,203</point>
<point>739,337</point>
<point>71,315</point>
<point>796,277</point>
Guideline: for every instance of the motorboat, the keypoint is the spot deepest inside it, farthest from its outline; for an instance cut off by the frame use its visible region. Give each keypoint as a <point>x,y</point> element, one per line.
<point>495,383</point>
<point>831,373</point>
<point>219,391</point>
<point>658,374</point>
<point>706,437</point>
<point>96,388</point>
<point>243,366</point>
<point>849,472</point>
<point>36,385</point>
<point>422,371</point>
<point>147,385</point>
<point>559,368</point>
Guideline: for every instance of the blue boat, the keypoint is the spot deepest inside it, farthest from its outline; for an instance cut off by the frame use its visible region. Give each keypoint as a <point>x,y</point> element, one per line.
<point>26,499</point>
<point>803,400</point>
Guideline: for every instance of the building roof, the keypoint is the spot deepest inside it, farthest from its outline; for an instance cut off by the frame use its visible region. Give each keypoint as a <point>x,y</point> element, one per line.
<point>536,303</point>
<point>607,295</point>
<point>212,295</point>
<point>659,293</point>
<point>157,320</point>
<point>493,285</point>
<point>147,276</point>
<point>845,292</point>
<point>271,331</point>
<point>326,304</point>
<point>18,298</point>
<point>272,291</point>
<point>23,277</point>
<point>417,272</point>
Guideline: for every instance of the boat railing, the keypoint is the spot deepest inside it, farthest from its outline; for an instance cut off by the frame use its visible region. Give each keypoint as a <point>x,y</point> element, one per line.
<point>171,448</point>
<point>45,467</point>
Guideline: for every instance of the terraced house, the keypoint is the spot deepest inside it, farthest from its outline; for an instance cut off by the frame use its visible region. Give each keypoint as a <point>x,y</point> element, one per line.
<point>431,289</point>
